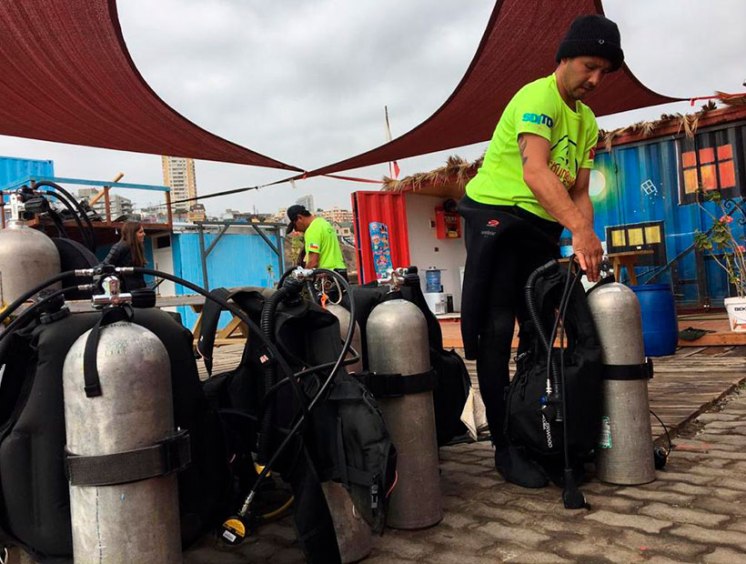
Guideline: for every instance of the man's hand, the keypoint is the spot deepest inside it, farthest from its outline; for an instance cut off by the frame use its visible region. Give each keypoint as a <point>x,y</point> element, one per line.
<point>588,251</point>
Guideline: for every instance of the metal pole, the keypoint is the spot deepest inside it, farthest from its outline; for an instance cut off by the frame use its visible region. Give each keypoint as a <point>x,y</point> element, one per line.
<point>215,242</point>
<point>281,245</point>
<point>203,257</point>
<point>278,249</point>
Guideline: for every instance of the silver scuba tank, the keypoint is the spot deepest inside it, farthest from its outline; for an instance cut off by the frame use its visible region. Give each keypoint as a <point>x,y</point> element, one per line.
<point>139,519</point>
<point>624,453</point>
<point>343,315</point>
<point>397,343</point>
<point>27,256</point>
<point>354,537</point>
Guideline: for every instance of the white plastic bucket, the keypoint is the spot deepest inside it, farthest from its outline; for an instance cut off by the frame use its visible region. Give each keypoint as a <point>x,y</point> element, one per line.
<point>736,308</point>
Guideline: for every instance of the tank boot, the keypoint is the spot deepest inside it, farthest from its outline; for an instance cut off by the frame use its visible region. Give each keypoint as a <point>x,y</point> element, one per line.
<point>515,466</point>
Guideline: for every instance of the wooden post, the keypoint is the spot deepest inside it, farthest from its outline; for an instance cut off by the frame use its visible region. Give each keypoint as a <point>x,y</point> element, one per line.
<point>107,204</point>
<point>168,210</point>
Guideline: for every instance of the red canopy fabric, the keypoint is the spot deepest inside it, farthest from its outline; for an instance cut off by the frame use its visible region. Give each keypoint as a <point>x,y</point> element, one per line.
<point>66,76</point>
<point>518,46</point>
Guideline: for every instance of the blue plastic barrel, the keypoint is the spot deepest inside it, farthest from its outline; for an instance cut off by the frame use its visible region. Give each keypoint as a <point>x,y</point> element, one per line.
<point>432,280</point>
<point>660,330</point>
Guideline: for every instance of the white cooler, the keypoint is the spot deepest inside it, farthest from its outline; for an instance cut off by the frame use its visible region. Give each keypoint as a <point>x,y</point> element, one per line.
<point>437,302</point>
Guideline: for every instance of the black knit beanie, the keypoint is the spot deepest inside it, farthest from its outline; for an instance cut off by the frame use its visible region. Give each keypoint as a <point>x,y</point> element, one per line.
<point>594,36</point>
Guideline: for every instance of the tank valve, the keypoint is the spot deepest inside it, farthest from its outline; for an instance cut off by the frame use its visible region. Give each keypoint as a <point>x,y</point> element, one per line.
<point>394,278</point>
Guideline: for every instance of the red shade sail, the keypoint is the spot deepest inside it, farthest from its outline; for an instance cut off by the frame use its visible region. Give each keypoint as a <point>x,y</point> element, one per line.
<point>66,76</point>
<point>518,47</point>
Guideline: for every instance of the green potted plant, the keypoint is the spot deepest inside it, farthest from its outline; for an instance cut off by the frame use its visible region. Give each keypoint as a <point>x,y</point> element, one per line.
<point>727,249</point>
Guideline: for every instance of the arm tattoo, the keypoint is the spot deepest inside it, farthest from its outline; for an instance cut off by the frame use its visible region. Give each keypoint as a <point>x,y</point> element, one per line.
<point>522,148</point>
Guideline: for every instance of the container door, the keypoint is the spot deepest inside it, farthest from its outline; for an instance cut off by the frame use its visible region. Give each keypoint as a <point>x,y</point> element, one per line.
<point>384,210</point>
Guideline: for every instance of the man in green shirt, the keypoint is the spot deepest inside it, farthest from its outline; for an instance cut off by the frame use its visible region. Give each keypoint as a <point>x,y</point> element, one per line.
<point>322,248</point>
<point>532,183</point>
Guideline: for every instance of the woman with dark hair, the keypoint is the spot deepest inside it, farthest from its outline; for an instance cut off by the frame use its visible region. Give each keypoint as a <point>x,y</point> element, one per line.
<point>129,251</point>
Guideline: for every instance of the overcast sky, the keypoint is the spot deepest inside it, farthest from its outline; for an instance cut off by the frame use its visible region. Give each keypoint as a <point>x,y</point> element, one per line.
<point>306,81</point>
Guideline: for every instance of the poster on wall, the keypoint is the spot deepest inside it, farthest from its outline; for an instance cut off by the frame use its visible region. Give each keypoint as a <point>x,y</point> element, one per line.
<point>380,247</point>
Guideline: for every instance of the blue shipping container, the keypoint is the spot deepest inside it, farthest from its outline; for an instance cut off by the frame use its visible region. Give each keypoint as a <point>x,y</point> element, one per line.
<point>13,169</point>
<point>644,196</point>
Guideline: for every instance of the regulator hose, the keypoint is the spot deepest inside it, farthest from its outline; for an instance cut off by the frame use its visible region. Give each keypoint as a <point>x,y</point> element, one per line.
<point>29,294</point>
<point>546,269</point>
<point>560,318</point>
<point>91,237</point>
<point>19,321</point>
<point>75,216</point>
<point>267,324</point>
<point>58,223</point>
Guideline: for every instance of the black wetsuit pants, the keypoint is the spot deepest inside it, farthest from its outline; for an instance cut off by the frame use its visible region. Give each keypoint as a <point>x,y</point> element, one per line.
<point>504,245</point>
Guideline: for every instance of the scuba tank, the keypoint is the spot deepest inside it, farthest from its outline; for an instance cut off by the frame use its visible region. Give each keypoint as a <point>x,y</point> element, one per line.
<point>625,446</point>
<point>122,449</point>
<point>354,537</point>
<point>341,313</point>
<point>35,474</point>
<point>397,344</point>
<point>27,256</point>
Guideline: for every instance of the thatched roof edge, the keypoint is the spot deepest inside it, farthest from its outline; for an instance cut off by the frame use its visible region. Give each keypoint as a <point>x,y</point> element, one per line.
<point>455,173</point>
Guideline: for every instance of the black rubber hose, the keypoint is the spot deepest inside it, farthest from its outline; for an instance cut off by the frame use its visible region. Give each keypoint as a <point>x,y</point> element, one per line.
<point>26,296</point>
<point>542,271</point>
<point>560,317</point>
<point>18,321</point>
<point>57,220</point>
<point>81,211</point>
<point>75,216</point>
<point>548,268</point>
<point>285,275</point>
<point>267,324</point>
<point>234,309</point>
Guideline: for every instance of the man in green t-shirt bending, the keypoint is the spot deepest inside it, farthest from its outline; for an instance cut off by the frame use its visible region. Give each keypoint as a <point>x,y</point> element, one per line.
<point>532,183</point>
<point>322,248</point>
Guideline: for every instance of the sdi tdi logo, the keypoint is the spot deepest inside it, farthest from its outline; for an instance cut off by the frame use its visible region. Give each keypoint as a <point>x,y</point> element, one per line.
<point>540,119</point>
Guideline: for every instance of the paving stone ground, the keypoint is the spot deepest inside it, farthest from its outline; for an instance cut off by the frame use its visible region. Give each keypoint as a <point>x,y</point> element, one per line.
<point>695,511</point>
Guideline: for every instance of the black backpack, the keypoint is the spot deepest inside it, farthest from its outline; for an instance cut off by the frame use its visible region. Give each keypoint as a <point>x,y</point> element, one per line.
<point>345,433</point>
<point>529,420</point>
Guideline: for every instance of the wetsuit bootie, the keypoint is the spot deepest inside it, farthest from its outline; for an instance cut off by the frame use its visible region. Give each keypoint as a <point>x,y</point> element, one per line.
<point>517,468</point>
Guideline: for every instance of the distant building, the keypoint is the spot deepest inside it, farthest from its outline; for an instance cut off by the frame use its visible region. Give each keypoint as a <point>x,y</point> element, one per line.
<point>154,214</point>
<point>230,215</point>
<point>307,202</point>
<point>278,217</point>
<point>343,228</point>
<point>119,206</point>
<point>179,175</point>
<point>197,213</point>
<point>336,215</point>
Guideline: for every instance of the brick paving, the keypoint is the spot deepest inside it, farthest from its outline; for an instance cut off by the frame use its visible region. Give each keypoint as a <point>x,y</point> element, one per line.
<point>695,510</point>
